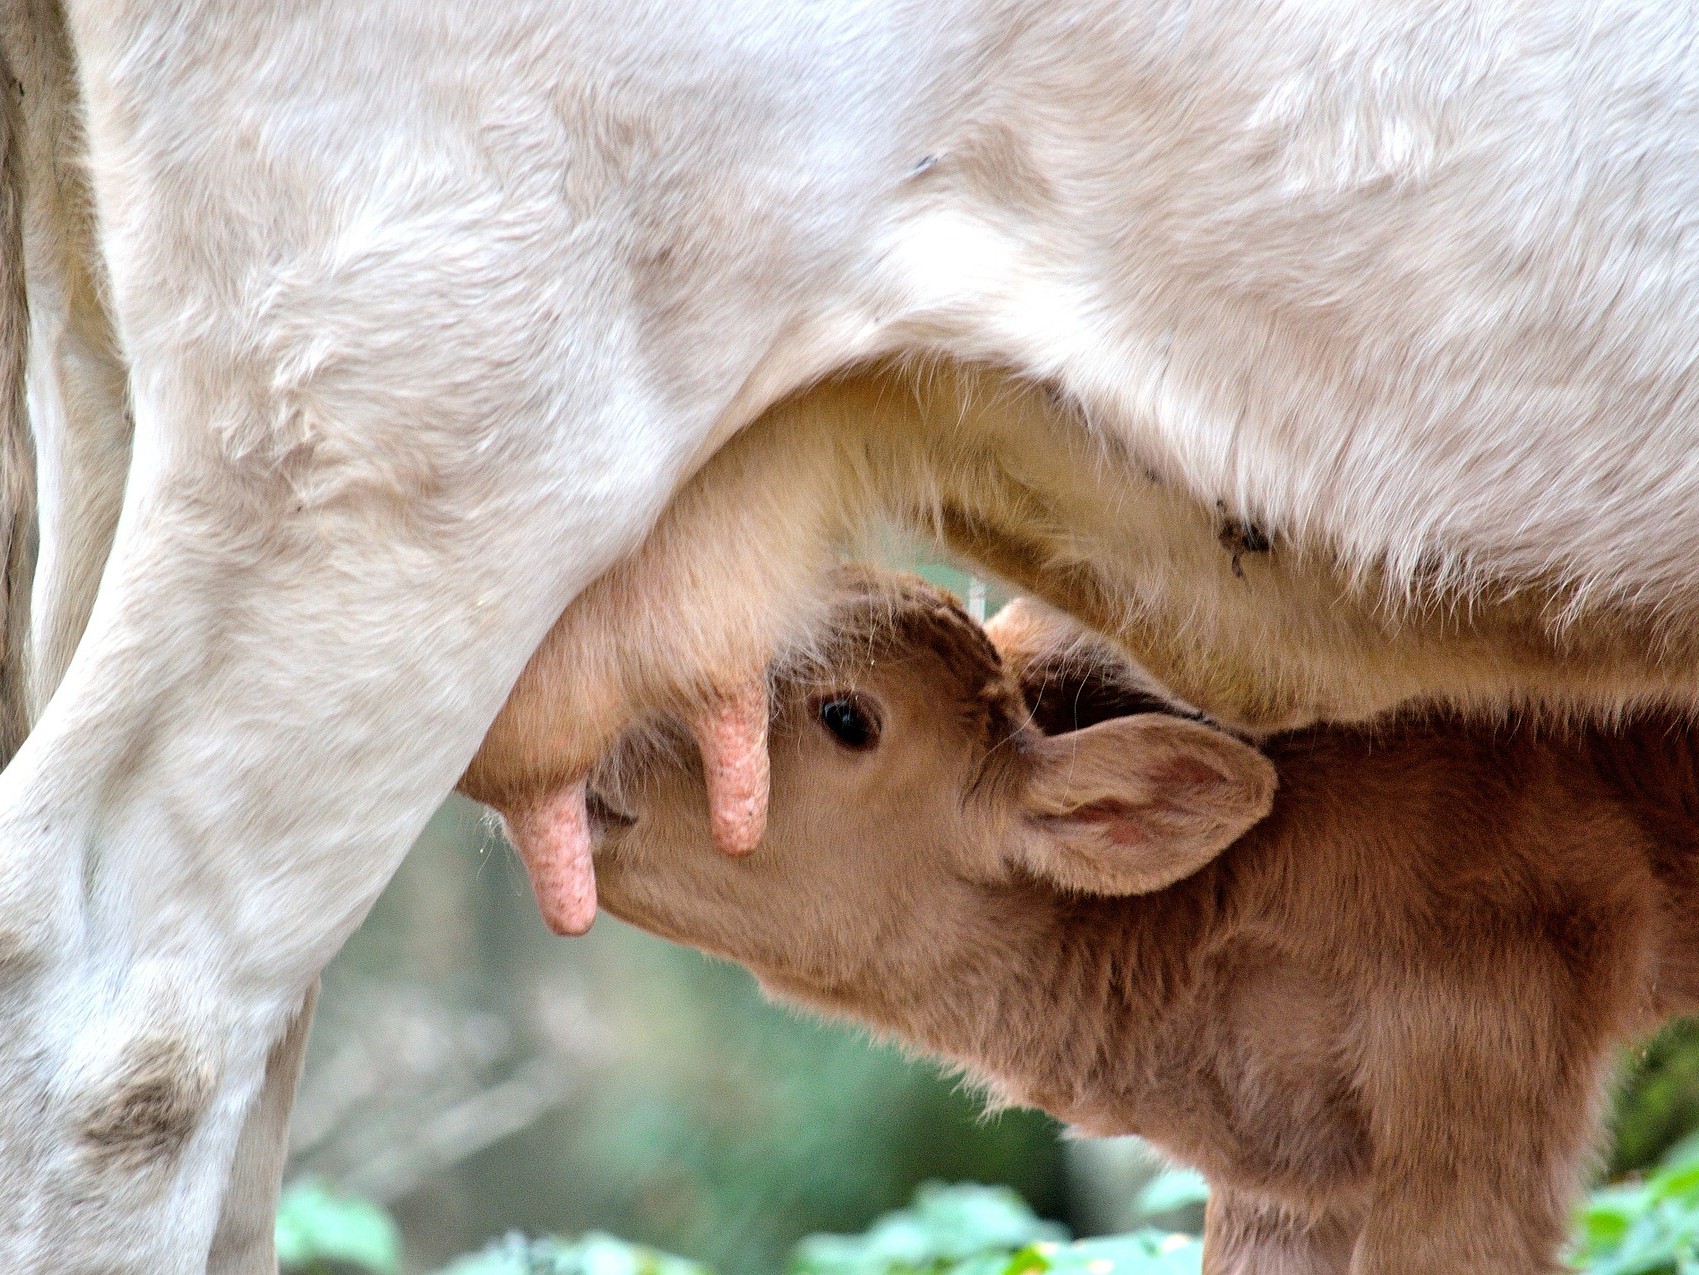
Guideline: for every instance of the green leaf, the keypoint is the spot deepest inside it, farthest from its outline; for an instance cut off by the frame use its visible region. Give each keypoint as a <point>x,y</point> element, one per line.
<point>316,1225</point>
<point>1680,1182</point>
<point>1029,1261</point>
<point>1682,1153</point>
<point>944,1225</point>
<point>594,1254</point>
<point>1146,1252</point>
<point>1173,1189</point>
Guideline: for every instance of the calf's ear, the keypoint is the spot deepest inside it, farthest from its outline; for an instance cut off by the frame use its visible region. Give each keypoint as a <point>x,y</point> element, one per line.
<point>1134,804</point>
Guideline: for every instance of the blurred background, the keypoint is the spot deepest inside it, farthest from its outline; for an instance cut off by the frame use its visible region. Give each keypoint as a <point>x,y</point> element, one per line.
<point>475,1075</point>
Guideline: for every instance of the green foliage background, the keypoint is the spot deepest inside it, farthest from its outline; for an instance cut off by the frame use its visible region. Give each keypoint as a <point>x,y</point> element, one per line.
<point>1658,1099</point>
<point>1648,1225</point>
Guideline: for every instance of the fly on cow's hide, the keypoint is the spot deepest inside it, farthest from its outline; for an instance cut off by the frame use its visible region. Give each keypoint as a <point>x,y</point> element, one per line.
<point>1239,537</point>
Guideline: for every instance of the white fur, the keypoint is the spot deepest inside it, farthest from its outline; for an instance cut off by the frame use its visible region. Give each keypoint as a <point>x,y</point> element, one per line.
<point>427,309</point>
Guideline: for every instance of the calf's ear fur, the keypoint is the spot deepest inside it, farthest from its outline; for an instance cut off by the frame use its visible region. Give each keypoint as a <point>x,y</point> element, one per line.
<point>1134,804</point>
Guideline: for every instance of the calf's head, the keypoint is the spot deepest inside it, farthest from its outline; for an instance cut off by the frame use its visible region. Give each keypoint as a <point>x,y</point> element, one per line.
<point>910,784</point>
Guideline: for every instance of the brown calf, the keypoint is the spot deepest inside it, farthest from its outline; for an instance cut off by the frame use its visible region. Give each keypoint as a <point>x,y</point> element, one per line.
<point>1379,1018</point>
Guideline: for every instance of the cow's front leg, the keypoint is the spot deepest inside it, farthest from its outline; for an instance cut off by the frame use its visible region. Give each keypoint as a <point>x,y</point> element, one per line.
<point>246,1240</point>
<point>281,679</point>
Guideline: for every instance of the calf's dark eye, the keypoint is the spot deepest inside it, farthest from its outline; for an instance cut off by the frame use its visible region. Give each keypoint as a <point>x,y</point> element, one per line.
<point>850,722</point>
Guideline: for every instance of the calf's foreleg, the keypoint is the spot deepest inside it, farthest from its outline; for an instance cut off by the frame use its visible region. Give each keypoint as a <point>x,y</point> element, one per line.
<point>1247,1235</point>
<point>1486,1104</point>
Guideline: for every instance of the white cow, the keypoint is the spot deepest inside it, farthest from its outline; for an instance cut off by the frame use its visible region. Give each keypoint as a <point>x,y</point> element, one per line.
<point>422,312</point>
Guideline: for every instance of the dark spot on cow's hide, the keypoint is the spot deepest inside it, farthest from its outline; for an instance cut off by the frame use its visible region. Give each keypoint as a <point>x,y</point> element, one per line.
<point>150,1108</point>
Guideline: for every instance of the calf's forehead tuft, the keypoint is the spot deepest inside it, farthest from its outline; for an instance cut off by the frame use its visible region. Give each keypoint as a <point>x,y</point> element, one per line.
<point>1072,678</point>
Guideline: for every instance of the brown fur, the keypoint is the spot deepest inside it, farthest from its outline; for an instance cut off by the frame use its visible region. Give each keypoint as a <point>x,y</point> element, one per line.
<point>151,1107</point>
<point>17,454</point>
<point>1379,1021</point>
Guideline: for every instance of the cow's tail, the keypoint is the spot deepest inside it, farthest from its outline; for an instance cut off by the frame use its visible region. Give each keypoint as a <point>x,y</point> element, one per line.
<point>17,450</point>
